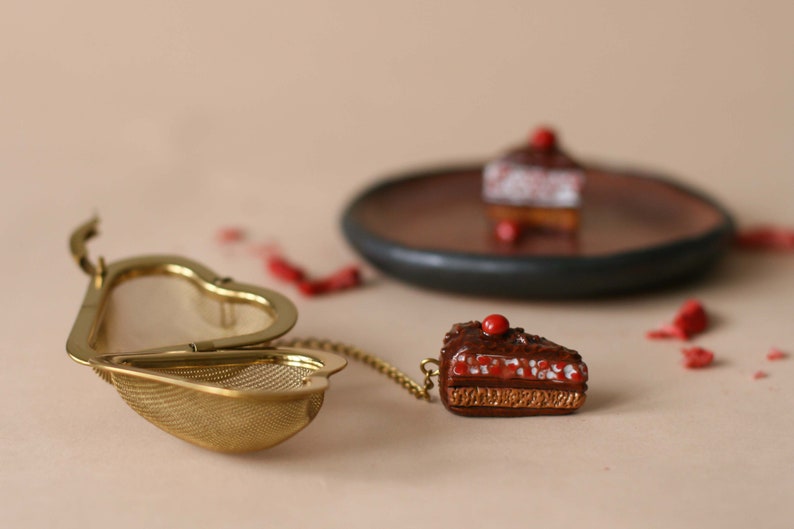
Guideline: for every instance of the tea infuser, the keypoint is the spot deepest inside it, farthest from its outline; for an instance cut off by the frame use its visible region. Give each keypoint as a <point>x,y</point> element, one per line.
<point>193,352</point>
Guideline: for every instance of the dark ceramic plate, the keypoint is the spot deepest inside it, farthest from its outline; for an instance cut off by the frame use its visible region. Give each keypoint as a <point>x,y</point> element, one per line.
<point>639,231</point>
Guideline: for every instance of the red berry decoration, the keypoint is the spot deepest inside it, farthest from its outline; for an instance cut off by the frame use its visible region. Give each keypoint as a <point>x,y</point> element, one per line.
<point>544,138</point>
<point>507,231</point>
<point>495,325</point>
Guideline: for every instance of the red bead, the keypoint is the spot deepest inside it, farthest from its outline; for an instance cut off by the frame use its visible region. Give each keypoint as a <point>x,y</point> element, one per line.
<point>495,325</point>
<point>507,231</point>
<point>544,138</point>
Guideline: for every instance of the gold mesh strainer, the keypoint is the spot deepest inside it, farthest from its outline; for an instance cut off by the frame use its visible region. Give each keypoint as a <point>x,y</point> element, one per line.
<point>187,350</point>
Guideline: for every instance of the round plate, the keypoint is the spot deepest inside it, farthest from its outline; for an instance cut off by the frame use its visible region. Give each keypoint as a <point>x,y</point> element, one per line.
<point>638,231</point>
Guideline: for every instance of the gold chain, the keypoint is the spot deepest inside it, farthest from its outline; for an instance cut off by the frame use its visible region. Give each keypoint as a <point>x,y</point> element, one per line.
<point>414,388</point>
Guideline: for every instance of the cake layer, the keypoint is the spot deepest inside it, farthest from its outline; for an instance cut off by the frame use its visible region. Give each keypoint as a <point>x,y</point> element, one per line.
<point>511,402</point>
<point>550,218</point>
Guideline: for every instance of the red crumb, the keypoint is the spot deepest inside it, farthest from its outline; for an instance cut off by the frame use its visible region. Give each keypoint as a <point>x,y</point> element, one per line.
<point>766,238</point>
<point>281,268</point>
<point>230,234</point>
<point>667,331</point>
<point>344,279</point>
<point>691,319</point>
<point>775,354</point>
<point>284,270</point>
<point>696,357</point>
<point>759,374</point>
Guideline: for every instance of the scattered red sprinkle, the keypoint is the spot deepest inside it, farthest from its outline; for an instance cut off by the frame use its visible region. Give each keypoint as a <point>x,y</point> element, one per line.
<point>696,357</point>
<point>284,270</point>
<point>766,238</point>
<point>230,234</point>
<point>667,331</point>
<point>344,279</point>
<point>495,325</point>
<point>690,319</point>
<point>544,138</point>
<point>775,354</point>
<point>759,374</point>
<point>507,231</point>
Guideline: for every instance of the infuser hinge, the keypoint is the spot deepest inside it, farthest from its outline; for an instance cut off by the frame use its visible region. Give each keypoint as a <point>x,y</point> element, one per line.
<point>203,347</point>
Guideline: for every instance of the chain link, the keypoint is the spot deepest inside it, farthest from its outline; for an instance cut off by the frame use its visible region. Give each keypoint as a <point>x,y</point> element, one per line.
<point>419,391</point>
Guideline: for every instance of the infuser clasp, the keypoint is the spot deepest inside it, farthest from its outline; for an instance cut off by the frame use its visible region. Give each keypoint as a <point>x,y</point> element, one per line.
<point>80,253</point>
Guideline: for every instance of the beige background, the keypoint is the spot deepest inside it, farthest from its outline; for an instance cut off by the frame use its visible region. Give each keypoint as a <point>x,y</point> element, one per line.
<point>172,119</point>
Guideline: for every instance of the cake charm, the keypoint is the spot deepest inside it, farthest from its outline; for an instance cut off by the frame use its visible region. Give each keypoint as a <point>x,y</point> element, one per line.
<point>536,186</point>
<point>489,369</point>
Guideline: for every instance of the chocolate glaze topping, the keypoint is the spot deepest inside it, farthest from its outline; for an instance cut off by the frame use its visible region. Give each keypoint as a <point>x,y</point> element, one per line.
<point>550,158</point>
<point>514,343</point>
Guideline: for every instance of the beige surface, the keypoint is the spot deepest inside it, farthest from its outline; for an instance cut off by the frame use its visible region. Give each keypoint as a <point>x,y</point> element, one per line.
<point>172,119</point>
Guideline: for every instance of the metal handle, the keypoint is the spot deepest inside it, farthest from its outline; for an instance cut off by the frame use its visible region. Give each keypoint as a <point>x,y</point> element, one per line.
<point>79,251</point>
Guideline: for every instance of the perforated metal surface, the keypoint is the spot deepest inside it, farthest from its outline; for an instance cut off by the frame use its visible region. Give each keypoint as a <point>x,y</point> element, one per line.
<point>221,422</point>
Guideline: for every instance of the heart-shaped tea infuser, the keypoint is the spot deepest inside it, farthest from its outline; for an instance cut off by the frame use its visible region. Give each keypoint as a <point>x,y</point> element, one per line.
<point>228,391</point>
<point>223,383</point>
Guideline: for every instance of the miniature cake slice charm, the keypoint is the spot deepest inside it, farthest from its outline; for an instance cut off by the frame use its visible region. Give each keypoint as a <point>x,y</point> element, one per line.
<point>490,369</point>
<point>536,186</point>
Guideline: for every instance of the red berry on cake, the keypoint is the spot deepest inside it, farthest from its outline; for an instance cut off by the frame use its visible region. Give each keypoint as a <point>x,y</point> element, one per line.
<point>544,138</point>
<point>495,325</point>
